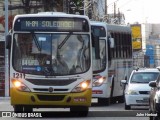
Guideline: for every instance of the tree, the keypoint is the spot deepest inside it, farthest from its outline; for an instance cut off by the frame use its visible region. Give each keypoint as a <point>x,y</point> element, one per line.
<point>76,6</point>
<point>26,4</point>
<point>52,5</point>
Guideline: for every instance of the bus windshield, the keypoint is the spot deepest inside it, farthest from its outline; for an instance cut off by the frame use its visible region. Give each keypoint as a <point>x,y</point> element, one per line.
<point>51,53</point>
<point>100,64</point>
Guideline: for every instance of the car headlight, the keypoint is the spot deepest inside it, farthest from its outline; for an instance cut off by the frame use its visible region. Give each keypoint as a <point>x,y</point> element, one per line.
<point>20,86</point>
<point>99,81</point>
<point>131,92</point>
<point>82,86</point>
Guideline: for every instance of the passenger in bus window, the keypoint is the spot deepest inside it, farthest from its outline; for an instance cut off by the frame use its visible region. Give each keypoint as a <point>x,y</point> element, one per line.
<point>62,67</point>
<point>82,60</point>
<point>59,64</point>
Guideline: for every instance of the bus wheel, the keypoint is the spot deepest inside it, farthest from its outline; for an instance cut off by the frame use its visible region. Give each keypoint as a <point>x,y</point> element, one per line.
<point>104,101</point>
<point>18,109</point>
<point>28,109</point>
<point>81,111</point>
<point>121,99</point>
<point>127,107</point>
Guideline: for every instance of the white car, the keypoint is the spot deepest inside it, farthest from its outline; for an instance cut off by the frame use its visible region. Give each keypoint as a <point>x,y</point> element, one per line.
<point>137,88</point>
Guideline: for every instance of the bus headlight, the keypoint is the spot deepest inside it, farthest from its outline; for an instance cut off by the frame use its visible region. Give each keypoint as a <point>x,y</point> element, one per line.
<point>100,80</point>
<point>20,86</point>
<point>82,86</point>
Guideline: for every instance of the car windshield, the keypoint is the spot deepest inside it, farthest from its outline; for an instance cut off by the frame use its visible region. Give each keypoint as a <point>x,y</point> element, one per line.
<point>51,54</point>
<point>144,77</point>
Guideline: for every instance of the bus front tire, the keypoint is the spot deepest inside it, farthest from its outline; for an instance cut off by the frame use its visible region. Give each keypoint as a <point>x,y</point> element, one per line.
<point>121,99</point>
<point>81,111</point>
<point>28,109</point>
<point>18,109</point>
<point>21,109</point>
<point>104,101</point>
<point>127,107</point>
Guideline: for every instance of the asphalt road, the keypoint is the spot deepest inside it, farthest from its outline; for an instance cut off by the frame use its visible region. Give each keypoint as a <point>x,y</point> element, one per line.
<point>96,112</point>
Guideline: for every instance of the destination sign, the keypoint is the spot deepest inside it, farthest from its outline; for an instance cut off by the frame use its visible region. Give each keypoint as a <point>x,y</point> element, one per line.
<point>51,24</point>
<point>99,31</point>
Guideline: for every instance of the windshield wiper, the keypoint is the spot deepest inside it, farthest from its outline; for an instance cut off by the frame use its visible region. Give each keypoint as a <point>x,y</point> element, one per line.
<point>36,41</point>
<point>64,41</point>
<point>136,82</point>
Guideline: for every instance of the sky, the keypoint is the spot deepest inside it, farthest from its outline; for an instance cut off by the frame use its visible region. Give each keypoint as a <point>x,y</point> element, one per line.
<point>141,11</point>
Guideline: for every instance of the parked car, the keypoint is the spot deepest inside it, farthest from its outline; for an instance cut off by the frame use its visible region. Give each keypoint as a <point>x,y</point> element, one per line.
<point>154,99</point>
<point>136,87</point>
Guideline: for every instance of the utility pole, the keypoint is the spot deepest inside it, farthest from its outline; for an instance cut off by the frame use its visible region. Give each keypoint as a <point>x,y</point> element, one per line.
<point>119,17</point>
<point>106,11</point>
<point>114,10</point>
<point>6,52</point>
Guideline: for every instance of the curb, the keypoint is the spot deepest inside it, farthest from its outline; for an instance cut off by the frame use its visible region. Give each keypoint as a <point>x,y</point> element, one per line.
<point>4,98</point>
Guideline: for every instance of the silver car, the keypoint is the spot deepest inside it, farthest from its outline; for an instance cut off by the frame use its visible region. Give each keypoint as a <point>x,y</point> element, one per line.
<point>137,89</point>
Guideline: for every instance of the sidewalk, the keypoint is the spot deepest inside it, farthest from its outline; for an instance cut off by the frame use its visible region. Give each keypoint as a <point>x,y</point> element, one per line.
<point>4,98</point>
<point>5,104</point>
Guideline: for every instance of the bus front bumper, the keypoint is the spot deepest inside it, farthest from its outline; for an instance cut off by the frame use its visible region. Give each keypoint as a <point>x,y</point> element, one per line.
<point>102,91</point>
<point>50,99</point>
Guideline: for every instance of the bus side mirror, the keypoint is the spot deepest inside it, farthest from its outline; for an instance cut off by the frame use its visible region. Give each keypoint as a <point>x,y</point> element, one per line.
<point>152,84</point>
<point>95,44</point>
<point>111,42</point>
<point>8,41</point>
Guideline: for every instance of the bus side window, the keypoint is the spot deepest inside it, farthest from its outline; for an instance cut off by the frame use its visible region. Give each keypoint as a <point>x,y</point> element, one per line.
<point>130,45</point>
<point>110,45</point>
<point>95,44</point>
<point>109,50</point>
<point>113,51</point>
<point>123,42</point>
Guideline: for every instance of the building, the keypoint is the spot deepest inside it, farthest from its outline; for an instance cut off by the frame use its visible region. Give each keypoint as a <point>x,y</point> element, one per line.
<point>153,39</point>
<point>150,46</point>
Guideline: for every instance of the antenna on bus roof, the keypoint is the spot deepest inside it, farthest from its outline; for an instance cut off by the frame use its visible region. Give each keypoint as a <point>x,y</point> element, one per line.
<point>51,13</point>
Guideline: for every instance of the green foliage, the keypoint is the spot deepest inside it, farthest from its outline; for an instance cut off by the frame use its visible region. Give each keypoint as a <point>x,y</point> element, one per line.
<point>79,3</point>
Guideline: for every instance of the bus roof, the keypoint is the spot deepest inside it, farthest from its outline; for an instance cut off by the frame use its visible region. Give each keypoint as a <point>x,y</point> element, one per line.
<point>98,23</point>
<point>118,28</point>
<point>51,21</point>
<point>51,14</point>
<point>112,27</point>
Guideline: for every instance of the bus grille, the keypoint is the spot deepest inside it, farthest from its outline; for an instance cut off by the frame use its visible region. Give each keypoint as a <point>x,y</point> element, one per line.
<point>50,97</point>
<point>47,89</point>
<point>54,82</point>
